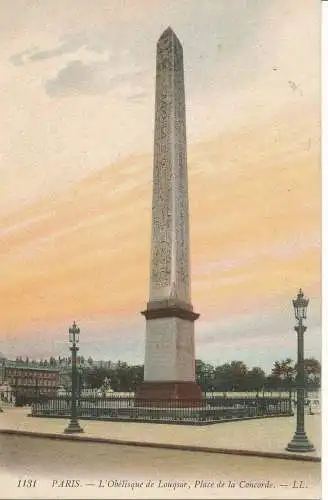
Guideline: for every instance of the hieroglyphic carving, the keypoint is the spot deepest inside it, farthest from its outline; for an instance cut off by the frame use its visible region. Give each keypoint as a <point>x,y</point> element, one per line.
<point>162,205</point>
<point>170,227</point>
<point>182,211</point>
<point>164,53</point>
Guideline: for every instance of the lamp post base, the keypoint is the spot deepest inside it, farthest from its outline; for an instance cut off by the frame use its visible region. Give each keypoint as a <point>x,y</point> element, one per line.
<point>73,426</point>
<point>300,443</point>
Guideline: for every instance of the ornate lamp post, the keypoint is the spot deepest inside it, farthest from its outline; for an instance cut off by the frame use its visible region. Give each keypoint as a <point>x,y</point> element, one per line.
<point>74,425</point>
<point>300,442</point>
<point>205,380</point>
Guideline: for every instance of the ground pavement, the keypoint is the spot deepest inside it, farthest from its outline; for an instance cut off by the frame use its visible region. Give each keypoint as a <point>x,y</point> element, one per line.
<point>32,467</point>
<point>265,437</point>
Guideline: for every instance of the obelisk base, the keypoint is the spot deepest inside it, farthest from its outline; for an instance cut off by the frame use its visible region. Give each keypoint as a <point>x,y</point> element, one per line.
<point>173,393</point>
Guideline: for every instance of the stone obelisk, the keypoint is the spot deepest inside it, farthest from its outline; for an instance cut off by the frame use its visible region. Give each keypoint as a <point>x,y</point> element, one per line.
<point>170,346</point>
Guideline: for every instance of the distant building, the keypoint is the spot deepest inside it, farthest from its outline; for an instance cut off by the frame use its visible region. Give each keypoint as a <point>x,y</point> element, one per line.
<point>105,364</point>
<point>6,394</point>
<point>28,381</point>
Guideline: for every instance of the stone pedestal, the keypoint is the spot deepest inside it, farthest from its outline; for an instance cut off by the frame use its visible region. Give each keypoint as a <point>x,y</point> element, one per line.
<point>183,394</point>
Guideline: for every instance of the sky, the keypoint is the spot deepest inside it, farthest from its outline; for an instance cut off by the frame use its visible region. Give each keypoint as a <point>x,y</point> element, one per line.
<point>77,89</point>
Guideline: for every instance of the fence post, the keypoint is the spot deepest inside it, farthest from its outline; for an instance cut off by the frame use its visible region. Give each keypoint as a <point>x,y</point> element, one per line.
<point>290,410</point>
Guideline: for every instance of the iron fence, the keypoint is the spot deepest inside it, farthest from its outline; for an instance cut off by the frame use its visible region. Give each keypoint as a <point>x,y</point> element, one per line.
<point>207,410</point>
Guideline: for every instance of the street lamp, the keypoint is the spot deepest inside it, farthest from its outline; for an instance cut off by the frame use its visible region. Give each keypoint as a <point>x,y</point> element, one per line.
<point>300,440</point>
<point>74,425</point>
<point>207,373</point>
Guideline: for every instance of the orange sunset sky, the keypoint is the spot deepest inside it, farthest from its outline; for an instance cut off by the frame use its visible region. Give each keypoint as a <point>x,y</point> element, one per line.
<point>76,139</point>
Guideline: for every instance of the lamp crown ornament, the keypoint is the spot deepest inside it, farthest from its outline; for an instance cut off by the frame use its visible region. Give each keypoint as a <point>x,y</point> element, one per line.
<point>300,305</point>
<point>74,332</point>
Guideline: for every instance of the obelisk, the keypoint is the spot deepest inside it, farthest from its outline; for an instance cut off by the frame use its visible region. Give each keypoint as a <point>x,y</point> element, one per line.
<point>170,346</point>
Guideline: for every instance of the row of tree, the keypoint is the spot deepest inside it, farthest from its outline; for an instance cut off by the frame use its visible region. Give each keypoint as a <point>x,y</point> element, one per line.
<point>233,376</point>
<point>122,378</point>
<point>236,376</point>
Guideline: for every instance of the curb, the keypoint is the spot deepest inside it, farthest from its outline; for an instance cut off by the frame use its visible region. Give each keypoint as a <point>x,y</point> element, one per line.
<point>168,446</point>
<point>155,421</point>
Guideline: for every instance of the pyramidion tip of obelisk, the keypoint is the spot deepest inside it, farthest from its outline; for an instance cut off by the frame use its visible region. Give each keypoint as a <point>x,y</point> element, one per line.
<point>168,32</point>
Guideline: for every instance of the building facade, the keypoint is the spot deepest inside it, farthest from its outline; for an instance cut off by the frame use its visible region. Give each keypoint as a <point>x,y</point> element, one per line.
<point>29,382</point>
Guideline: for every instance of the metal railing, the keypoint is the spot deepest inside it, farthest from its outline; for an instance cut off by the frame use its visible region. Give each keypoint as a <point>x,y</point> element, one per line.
<point>207,410</point>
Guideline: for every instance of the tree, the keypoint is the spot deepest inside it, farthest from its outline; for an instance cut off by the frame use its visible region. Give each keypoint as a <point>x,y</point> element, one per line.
<point>127,378</point>
<point>239,374</point>
<point>230,376</point>
<point>255,379</point>
<point>95,377</point>
<point>285,371</point>
<point>273,382</point>
<point>222,378</point>
<point>204,375</point>
<point>123,378</point>
<point>312,370</point>
<point>138,375</point>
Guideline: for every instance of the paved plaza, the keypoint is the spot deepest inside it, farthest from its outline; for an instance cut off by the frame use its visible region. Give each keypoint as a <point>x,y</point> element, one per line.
<point>261,437</point>
<point>227,460</point>
<point>101,470</point>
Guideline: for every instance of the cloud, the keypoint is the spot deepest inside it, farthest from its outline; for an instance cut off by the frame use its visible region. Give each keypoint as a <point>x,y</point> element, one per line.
<point>269,333</point>
<point>93,78</point>
<point>85,251</point>
<point>71,45</point>
<point>138,97</point>
<point>285,250</point>
<point>20,58</point>
<point>93,42</point>
<point>257,339</point>
<point>99,335</point>
<point>79,78</point>
<point>85,75</point>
